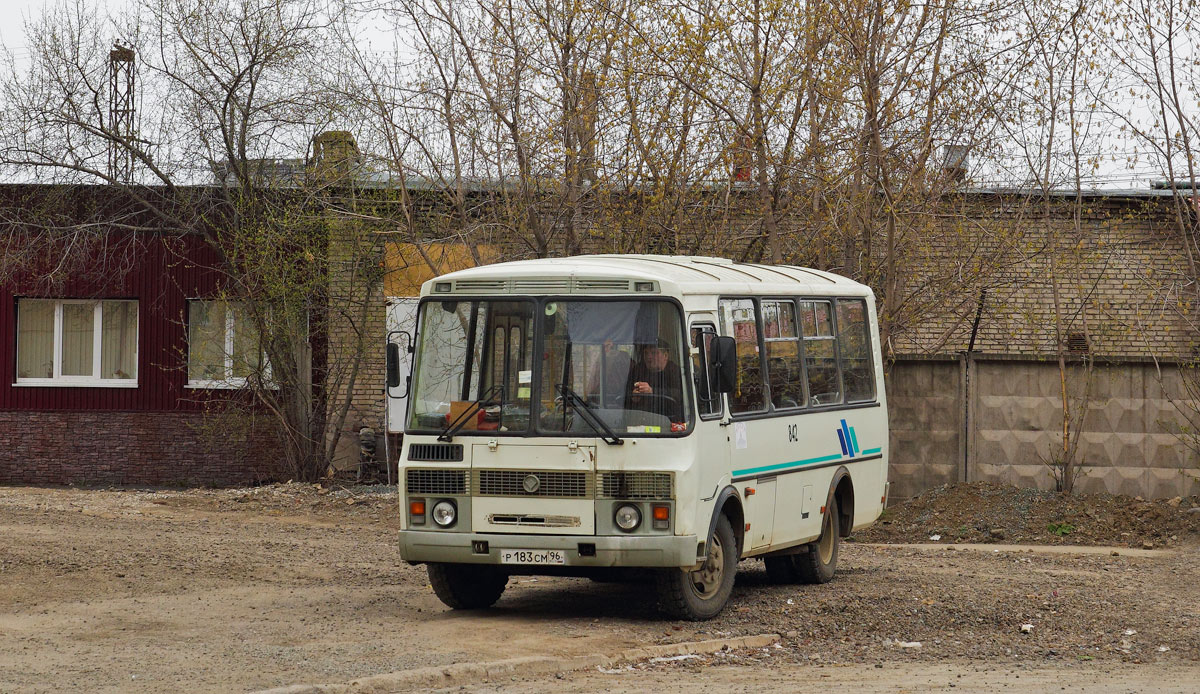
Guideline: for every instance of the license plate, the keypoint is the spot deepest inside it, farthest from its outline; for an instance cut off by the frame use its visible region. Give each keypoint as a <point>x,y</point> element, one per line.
<point>533,556</point>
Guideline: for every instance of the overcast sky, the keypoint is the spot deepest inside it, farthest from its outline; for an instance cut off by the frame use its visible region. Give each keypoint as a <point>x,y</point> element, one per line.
<point>12,21</point>
<point>1113,172</point>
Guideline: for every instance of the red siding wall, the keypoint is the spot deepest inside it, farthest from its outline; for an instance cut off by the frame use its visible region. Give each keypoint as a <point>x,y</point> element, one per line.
<point>157,433</point>
<point>162,273</point>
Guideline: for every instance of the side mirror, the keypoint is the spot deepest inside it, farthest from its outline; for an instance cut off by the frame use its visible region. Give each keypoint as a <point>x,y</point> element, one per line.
<point>393,361</point>
<point>723,358</point>
<point>393,365</point>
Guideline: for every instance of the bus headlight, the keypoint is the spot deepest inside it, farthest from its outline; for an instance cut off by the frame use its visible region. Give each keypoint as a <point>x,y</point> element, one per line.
<point>628,518</point>
<point>444,513</point>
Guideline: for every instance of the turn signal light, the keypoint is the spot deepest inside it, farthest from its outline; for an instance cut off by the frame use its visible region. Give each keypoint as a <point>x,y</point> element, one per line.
<point>416,512</point>
<point>662,517</point>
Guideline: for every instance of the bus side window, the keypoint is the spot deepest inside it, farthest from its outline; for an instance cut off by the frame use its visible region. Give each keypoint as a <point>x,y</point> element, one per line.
<point>740,319</point>
<point>708,400</point>
<point>854,350</point>
<point>820,353</point>
<point>782,341</point>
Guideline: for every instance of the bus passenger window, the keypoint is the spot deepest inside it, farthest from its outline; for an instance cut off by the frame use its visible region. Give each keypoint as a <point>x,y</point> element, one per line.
<point>709,401</point>
<point>854,348</point>
<point>739,320</point>
<point>820,353</point>
<point>782,341</point>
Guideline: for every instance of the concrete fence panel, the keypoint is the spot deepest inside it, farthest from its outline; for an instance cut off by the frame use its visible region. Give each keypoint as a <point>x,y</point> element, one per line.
<point>1000,420</point>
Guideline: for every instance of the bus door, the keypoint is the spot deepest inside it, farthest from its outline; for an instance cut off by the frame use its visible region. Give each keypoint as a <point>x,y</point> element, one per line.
<point>753,441</point>
<point>711,430</point>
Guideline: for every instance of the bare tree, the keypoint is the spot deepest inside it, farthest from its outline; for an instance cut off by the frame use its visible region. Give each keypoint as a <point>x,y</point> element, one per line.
<point>230,91</point>
<point>1151,46</point>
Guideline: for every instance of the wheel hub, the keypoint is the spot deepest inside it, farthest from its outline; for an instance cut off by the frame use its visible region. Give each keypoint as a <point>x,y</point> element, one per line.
<point>825,547</point>
<point>707,579</point>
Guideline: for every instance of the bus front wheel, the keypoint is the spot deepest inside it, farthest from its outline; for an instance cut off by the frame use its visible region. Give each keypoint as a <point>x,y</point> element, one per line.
<point>702,594</point>
<point>466,587</point>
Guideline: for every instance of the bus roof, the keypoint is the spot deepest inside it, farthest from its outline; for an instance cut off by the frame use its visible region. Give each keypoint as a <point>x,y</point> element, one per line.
<point>616,274</point>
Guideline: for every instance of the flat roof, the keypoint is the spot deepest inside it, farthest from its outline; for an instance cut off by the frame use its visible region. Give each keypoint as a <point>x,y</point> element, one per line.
<point>600,274</point>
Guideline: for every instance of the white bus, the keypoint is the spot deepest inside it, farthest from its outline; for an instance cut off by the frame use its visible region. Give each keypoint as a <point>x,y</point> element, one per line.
<point>590,415</point>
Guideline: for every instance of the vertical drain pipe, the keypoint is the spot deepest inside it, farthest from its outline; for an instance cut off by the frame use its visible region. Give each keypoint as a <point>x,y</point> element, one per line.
<point>966,389</point>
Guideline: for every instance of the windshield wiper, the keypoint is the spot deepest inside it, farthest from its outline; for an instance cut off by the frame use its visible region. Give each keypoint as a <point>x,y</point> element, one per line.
<point>462,419</point>
<point>585,411</point>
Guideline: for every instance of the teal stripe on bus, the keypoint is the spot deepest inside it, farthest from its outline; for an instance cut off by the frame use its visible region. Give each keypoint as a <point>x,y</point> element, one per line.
<point>781,466</point>
<point>872,451</point>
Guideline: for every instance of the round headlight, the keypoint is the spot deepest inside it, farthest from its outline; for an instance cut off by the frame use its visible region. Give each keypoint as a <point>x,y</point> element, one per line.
<point>627,517</point>
<point>444,513</point>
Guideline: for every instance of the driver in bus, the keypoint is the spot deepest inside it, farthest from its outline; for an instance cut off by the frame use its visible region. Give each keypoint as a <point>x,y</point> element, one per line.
<point>654,382</point>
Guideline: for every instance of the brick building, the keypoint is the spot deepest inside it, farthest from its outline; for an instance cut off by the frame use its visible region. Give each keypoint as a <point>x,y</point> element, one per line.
<point>99,382</point>
<point>976,389</point>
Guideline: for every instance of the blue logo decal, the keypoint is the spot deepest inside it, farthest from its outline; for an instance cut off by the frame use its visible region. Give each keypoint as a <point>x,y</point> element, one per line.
<point>848,440</point>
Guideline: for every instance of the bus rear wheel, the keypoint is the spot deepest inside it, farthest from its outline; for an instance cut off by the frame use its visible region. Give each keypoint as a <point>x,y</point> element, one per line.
<point>702,594</point>
<point>466,586</point>
<point>818,563</point>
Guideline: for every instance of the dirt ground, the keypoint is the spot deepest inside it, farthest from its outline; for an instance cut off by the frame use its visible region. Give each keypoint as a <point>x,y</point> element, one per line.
<point>244,589</point>
<point>764,676</point>
<point>981,512</point>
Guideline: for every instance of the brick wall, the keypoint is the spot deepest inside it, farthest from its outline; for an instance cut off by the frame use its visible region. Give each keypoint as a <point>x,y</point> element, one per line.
<point>151,448</point>
<point>357,329</point>
<point>1120,270</point>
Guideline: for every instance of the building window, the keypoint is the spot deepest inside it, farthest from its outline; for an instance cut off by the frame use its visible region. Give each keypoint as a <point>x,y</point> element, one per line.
<point>223,346</point>
<point>72,342</point>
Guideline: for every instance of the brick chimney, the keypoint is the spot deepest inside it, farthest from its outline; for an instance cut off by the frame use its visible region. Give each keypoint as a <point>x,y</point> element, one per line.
<point>955,162</point>
<point>335,153</point>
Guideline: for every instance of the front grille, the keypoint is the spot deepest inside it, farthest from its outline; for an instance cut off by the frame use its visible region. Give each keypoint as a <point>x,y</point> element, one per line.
<point>543,521</point>
<point>601,285</point>
<point>540,285</point>
<point>436,452</point>
<point>550,483</point>
<point>543,285</point>
<point>635,485</point>
<point>488,286</point>
<point>436,481</point>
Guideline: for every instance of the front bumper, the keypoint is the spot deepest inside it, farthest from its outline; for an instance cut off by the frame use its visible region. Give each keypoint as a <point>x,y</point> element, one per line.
<point>610,550</point>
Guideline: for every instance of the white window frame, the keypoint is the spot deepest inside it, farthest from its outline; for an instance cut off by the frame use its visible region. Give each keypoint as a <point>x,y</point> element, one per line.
<point>230,382</point>
<point>58,380</point>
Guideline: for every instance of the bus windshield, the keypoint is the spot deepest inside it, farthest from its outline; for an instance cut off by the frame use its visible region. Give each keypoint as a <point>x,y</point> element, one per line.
<point>622,360</point>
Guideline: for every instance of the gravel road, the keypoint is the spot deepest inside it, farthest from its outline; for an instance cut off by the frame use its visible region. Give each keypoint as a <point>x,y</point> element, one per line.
<point>235,590</point>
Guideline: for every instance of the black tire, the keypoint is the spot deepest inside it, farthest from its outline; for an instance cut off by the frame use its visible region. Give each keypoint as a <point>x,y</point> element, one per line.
<point>467,586</point>
<point>702,594</point>
<point>782,569</point>
<point>818,564</point>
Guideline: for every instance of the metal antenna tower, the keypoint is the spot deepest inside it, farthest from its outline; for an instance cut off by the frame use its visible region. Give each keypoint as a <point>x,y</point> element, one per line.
<point>120,112</point>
